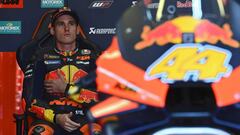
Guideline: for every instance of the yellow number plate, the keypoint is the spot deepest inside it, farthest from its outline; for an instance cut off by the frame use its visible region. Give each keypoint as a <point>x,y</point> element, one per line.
<point>191,62</point>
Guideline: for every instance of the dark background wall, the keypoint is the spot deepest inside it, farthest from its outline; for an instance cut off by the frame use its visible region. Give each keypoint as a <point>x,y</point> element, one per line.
<point>94,17</point>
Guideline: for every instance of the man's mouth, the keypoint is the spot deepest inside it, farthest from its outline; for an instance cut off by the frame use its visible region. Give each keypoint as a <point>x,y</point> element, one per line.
<point>67,35</point>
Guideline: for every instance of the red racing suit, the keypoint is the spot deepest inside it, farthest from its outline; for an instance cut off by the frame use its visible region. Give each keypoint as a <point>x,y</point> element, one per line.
<point>73,65</point>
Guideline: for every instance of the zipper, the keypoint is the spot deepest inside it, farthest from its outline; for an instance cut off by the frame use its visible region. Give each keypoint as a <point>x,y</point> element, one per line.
<point>69,73</point>
<point>69,68</point>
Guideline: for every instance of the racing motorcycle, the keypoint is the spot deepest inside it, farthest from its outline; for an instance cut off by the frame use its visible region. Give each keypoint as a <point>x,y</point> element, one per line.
<point>172,68</point>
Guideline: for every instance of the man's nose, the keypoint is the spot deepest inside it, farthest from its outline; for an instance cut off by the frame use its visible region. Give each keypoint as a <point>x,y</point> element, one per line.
<point>66,27</point>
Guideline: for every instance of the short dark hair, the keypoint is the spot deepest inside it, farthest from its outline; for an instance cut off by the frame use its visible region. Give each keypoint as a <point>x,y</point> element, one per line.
<point>64,11</point>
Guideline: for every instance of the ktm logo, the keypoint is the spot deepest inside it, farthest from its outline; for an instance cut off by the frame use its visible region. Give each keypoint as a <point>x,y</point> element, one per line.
<point>101,4</point>
<point>11,3</point>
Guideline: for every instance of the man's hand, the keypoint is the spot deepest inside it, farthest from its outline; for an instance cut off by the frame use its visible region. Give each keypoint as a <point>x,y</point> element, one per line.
<point>65,122</point>
<point>55,86</point>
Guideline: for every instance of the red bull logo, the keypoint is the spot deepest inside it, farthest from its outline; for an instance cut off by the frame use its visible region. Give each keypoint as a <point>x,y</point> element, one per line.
<point>171,32</point>
<point>212,33</point>
<point>86,96</point>
<point>186,4</point>
<point>162,35</point>
<point>79,74</point>
<point>70,73</point>
<point>53,75</point>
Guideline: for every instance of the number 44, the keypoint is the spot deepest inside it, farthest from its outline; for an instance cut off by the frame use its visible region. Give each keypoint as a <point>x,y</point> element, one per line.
<point>191,62</point>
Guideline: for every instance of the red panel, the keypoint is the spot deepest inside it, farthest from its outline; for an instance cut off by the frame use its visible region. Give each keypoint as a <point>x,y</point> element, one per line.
<point>227,90</point>
<point>14,5</point>
<point>7,92</point>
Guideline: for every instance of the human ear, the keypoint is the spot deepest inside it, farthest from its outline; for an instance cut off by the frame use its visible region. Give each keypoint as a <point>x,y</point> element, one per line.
<point>52,32</point>
<point>78,29</point>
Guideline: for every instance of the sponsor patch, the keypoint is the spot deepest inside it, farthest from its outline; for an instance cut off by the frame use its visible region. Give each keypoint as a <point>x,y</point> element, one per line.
<point>86,57</point>
<point>52,3</point>
<point>29,71</point>
<point>185,4</point>
<point>82,62</point>
<point>94,30</point>
<point>47,56</point>
<point>10,27</point>
<point>101,4</point>
<point>85,51</point>
<point>79,112</point>
<point>11,3</point>
<point>27,76</point>
<point>48,62</point>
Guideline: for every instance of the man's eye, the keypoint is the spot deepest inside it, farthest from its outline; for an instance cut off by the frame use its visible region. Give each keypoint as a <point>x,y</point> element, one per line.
<point>60,24</point>
<point>72,23</point>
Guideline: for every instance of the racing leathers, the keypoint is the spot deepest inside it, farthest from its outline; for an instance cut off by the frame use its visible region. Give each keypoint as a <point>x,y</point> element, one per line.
<point>47,65</point>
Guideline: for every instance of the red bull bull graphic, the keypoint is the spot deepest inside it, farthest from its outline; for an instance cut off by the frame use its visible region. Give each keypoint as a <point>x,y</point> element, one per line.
<point>77,75</point>
<point>191,62</point>
<point>86,96</point>
<point>172,31</point>
<point>53,75</point>
<point>70,73</point>
<point>161,35</point>
<point>212,33</point>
